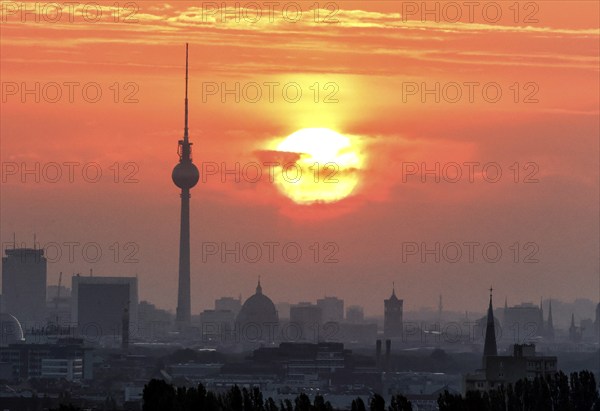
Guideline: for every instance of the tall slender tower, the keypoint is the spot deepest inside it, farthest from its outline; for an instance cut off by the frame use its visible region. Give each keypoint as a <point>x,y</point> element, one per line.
<point>392,317</point>
<point>550,325</point>
<point>490,349</point>
<point>185,176</point>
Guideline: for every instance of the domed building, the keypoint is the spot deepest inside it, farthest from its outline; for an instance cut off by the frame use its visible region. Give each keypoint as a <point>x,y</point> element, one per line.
<point>258,320</point>
<point>10,330</point>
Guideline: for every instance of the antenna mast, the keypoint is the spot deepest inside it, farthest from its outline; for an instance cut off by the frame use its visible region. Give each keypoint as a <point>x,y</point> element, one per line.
<point>185,131</point>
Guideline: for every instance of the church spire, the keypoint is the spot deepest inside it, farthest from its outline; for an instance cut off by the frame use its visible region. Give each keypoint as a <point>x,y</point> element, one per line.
<point>490,348</point>
<point>258,287</point>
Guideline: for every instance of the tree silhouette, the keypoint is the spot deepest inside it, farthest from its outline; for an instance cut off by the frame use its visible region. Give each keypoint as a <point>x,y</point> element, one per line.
<point>578,392</point>
<point>358,405</point>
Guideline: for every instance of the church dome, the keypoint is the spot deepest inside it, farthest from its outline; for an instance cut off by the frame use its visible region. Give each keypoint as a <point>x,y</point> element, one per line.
<point>10,330</point>
<point>258,318</point>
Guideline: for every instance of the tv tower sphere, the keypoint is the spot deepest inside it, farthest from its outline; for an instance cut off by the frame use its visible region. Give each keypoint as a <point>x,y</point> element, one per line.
<point>185,175</point>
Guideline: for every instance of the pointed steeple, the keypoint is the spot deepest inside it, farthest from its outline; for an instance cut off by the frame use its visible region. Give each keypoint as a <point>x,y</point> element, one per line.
<point>573,335</point>
<point>490,349</point>
<point>258,287</point>
<point>393,297</point>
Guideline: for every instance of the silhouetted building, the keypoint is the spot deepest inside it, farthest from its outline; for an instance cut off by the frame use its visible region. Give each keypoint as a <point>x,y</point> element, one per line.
<point>257,320</point>
<point>361,333</point>
<point>355,314</point>
<point>586,329</point>
<point>24,286</point>
<point>502,370</point>
<point>308,318</point>
<point>392,320</point>
<point>98,304</point>
<point>332,309</point>
<point>217,325</point>
<point>153,322</point>
<point>523,321</point>
<point>229,303</point>
<point>67,359</point>
<point>283,310</point>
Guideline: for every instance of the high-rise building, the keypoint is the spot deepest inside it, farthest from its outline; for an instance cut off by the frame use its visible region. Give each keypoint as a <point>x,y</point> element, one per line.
<point>229,304</point>
<point>308,318</point>
<point>392,317</point>
<point>185,176</point>
<point>100,303</point>
<point>283,310</point>
<point>24,286</point>
<point>522,322</point>
<point>355,314</point>
<point>332,309</point>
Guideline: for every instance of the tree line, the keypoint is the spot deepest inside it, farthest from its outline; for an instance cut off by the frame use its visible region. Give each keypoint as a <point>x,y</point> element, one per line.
<point>160,396</point>
<point>559,392</point>
<point>577,392</point>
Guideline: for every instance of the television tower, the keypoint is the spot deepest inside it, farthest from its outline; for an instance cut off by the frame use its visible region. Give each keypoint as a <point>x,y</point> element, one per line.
<point>185,176</point>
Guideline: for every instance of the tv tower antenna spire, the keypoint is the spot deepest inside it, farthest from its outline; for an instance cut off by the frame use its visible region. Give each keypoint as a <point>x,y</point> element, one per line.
<point>185,176</point>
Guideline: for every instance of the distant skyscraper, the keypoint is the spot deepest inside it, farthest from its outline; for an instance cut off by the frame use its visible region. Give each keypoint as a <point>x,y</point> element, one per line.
<point>99,304</point>
<point>332,309</point>
<point>185,176</point>
<point>228,304</point>
<point>392,317</point>
<point>355,314</point>
<point>522,322</point>
<point>308,318</point>
<point>490,349</point>
<point>24,286</point>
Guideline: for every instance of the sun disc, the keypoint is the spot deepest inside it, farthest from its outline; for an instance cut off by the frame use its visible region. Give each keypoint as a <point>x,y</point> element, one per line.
<point>326,168</point>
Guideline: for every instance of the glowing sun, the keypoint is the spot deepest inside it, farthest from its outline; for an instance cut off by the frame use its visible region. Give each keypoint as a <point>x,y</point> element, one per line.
<point>325,169</point>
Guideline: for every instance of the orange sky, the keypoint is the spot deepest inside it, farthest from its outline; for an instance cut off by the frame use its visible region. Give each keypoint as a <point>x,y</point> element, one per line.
<point>372,54</point>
